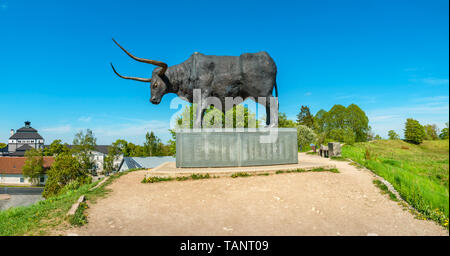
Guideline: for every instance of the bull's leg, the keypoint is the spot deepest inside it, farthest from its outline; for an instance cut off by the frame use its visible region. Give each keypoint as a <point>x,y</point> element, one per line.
<point>271,112</point>
<point>200,113</point>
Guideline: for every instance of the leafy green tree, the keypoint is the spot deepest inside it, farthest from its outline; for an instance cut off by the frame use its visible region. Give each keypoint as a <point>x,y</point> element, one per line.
<point>172,145</point>
<point>152,145</point>
<point>414,131</point>
<point>320,121</point>
<point>113,155</point>
<point>56,148</point>
<point>34,165</point>
<point>305,136</point>
<point>305,117</point>
<point>2,145</point>
<point>83,146</point>
<point>284,122</point>
<point>444,133</point>
<point>431,132</point>
<point>336,118</point>
<point>357,120</point>
<point>64,171</point>
<point>393,135</point>
<point>378,137</point>
<point>345,135</point>
<point>339,120</point>
<point>186,119</point>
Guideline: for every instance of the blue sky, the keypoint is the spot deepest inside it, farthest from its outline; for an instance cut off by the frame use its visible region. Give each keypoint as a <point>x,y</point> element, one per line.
<point>389,57</point>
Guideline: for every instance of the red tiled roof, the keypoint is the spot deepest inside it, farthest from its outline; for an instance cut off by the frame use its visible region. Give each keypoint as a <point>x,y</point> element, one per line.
<point>13,165</point>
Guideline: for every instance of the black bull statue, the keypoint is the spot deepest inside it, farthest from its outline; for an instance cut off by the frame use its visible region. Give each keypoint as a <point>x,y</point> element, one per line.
<point>250,75</point>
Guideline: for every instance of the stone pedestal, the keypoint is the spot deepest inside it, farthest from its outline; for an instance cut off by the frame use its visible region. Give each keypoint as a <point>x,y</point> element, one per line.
<point>236,147</point>
<point>334,149</point>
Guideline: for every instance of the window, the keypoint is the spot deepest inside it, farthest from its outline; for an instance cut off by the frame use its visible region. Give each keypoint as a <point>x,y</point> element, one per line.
<point>21,180</point>
<point>42,179</point>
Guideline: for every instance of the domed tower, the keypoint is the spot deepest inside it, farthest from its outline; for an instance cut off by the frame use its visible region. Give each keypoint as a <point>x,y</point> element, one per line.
<point>23,139</point>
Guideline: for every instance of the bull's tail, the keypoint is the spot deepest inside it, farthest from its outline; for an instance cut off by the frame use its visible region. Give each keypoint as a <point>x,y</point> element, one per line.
<point>276,93</point>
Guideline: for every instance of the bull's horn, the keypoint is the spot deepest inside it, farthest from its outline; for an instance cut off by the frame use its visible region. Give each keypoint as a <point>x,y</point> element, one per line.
<point>132,78</point>
<point>154,62</point>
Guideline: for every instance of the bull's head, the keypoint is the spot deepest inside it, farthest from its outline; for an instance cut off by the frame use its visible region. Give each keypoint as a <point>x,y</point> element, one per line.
<point>158,86</point>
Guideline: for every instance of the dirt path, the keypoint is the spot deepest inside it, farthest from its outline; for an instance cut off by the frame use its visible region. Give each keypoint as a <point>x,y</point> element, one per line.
<point>325,203</point>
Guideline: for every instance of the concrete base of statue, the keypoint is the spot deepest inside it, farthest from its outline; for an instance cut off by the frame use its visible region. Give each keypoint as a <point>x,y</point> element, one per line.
<point>236,147</point>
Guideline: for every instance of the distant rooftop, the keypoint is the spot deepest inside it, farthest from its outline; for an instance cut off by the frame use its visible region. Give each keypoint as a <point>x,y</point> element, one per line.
<point>26,132</point>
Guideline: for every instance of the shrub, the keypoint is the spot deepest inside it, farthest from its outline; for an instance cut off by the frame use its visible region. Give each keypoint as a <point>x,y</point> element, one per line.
<point>414,131</point>
<point>305,136</point>
<point>444,134</point>
<point>393,135</point>
<point>65,170</point>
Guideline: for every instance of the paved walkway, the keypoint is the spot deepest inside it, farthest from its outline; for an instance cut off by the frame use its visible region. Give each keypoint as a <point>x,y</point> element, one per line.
<point>313,203</point>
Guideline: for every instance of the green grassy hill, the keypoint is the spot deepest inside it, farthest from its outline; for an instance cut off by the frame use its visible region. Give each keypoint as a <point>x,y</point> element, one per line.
<point>418,172</point>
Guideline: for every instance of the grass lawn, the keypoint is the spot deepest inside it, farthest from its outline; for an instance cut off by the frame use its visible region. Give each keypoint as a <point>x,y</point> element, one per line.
<point>45,215</point>
<point>418,172</point>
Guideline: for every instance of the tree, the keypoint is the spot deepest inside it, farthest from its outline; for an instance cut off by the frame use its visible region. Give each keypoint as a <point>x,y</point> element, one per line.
<point>2,145</point>
<point>340,120</point>
<point>319,121</point>
<point>378,137</point>
<point>172,145</point>
<point>113,155</point>
<point>56,148</point>
<point>152,144</point>
<point>83,146</point>
<point>305,117</point>
<point>336,118</point>
<point>358,121</point>
<point>393,135</point>
<point>305,136</point>
<point>414,131</point>
<point>444,133</point>
<point>431,132</point>
<point>345,135</point>
<point>284,122</point>
<point>34,165</point>
<point>64,171</point>
<point>186,119</point>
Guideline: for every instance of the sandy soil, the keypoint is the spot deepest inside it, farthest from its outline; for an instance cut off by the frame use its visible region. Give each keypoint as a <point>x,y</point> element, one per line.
<point>325,203</point>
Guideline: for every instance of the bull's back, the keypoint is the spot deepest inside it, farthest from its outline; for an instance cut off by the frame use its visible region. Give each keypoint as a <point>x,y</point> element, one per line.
<point>250,74</point>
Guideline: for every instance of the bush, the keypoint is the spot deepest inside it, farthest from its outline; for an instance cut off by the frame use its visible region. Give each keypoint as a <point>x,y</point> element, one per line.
<point>393,135</point>
<point>444,134</point>
<point>305,136</point>
<point>66,170</point>
<point>414,131</point>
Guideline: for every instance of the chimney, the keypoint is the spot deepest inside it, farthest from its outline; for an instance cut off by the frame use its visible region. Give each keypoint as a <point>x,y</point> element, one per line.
<point>27,124</point>
<point>12,132</point>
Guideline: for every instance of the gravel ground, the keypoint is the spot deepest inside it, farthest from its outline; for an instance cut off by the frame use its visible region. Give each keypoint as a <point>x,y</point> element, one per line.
<point>313,203</point>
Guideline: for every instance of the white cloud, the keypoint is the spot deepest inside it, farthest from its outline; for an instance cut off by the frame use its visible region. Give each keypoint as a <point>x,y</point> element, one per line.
<point>426,110</point>
<point>308,93</point>
<point>58,129</point>
<point>430,81</point>
<point>85,119</point>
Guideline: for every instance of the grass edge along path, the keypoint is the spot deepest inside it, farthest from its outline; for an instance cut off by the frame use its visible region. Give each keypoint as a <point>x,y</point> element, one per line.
<point>195,176</point>
<point>45,215</point>
<point>420,191</point>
